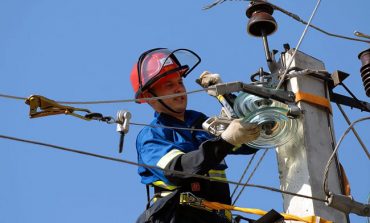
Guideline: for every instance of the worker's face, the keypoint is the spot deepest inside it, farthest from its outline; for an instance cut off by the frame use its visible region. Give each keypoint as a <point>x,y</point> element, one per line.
<point>171,84</point>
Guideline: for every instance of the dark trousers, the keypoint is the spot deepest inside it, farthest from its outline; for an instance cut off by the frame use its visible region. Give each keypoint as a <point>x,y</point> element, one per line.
<point>168,210</point>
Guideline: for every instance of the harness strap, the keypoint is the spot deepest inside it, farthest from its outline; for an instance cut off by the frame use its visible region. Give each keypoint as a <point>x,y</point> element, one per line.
<point>313,99</point>
<point>147,196</point>
<point>190,199</point>
<point>162,103</point>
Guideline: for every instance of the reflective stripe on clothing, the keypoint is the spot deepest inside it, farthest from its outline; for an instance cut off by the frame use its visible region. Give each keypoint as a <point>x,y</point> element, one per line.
<point>163,185</point>
<point>217,174</point>
<point>166,159</point>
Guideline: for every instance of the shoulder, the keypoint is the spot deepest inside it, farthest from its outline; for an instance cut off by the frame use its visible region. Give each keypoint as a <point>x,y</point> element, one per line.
<point>191,114</point>
<point>151,131</point>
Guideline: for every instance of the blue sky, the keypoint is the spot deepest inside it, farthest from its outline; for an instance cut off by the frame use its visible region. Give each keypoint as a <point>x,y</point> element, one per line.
<point>84,50</point>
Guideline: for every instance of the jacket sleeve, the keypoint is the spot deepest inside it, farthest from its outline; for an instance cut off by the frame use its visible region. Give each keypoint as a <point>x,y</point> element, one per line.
<point>207,157</point>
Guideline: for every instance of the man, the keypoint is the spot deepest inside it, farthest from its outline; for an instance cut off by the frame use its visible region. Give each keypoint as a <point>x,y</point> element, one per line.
<point>160,72</point>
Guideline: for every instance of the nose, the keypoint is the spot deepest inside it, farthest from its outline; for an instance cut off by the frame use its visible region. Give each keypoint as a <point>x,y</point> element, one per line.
<point>180,88</point>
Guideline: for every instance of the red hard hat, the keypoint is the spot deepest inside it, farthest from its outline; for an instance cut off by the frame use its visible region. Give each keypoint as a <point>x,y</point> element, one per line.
<point>160,62</point>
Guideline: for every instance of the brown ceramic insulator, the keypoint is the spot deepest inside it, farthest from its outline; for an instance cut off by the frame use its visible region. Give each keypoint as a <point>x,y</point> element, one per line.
<point>261,21</point>
<point>364,56</point>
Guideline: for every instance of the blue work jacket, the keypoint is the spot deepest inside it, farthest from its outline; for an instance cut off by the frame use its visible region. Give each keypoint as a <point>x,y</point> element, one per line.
<point>153,143</point>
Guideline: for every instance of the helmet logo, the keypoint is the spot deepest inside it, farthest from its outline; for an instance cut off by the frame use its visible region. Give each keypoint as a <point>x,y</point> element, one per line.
<point>166,61</point>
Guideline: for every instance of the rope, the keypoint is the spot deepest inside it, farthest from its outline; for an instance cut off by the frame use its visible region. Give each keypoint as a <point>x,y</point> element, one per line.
<point>326,171</point>
<point>219,206</point>
<point>250,177</point>
<point>298,44</point>
<point>158,168</point>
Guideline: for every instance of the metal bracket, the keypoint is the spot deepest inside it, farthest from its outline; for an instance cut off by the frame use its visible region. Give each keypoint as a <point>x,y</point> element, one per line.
<point>347,204</point>
<point>278,95</point>
<point>348,101</point>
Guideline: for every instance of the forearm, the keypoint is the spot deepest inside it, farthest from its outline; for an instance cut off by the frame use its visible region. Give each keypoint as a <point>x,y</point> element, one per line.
<point>200,161</point>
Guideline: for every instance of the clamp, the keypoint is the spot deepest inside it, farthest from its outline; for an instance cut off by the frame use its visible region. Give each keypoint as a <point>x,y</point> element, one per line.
<point>187,198</point>
<point>216,125</point>
<point>123,121</point>
<point>41,106</point>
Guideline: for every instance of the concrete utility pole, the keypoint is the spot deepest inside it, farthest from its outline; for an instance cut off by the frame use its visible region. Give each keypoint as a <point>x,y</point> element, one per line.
<point>302,160</point>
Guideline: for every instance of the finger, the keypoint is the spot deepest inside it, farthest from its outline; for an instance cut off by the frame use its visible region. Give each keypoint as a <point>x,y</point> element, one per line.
<point>205,82</point>
<point>254,136</point>
<point>249,125</point>
<point>203,74</point>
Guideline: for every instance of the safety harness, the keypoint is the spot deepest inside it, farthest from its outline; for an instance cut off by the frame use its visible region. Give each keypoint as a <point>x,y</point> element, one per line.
<point>191,200</point>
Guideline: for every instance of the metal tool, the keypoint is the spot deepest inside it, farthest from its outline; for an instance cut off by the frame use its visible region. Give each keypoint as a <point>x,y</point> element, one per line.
<point>123,121</point>
<point>216,125</point>
<point>41,106</point>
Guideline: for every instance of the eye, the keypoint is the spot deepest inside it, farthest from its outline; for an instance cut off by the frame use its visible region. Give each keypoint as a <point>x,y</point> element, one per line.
<point>168,85</point>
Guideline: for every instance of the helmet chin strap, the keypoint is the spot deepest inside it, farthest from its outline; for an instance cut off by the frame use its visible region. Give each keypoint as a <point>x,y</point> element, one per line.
<point>162,103</point>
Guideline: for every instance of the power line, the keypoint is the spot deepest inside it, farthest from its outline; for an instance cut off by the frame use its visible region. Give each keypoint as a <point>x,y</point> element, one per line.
<point>158,168</point>
<point>12,97</point>
<point>168,127</point>
<point>298,44</point>
<point>326,170</point>
<point>297,18</point>
<point>354,131</point>
<point>113,101</point>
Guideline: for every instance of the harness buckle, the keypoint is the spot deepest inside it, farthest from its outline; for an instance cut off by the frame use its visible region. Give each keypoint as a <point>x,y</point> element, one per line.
<point>187,198</point>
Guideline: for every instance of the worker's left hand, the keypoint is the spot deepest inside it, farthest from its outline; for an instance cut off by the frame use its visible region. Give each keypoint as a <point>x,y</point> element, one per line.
<point>239,132</point>
<point>207,79</point>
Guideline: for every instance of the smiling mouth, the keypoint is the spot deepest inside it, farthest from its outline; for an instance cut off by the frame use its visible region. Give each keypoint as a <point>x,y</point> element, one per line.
<point>179,99</point>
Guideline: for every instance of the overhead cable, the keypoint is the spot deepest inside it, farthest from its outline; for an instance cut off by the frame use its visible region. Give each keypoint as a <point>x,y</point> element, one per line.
<point>12,97</point>
<point>158,168</point>
<point>113,101</point>
<point>326,170</point>
<point>297,18</point>
<point>168,127</point>
<point>354,131</point>
<point>298,45</point>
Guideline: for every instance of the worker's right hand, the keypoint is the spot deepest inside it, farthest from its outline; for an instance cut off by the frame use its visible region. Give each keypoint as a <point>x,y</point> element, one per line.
<point>240,132</point>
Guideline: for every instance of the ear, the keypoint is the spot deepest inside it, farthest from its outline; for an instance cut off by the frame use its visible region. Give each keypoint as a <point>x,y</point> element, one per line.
<point>146,94</point>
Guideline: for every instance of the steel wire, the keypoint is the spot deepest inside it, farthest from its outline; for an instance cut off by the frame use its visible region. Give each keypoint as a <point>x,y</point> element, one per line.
<point>326,170</point>
<point>113,101</point>
<point>158,168</point>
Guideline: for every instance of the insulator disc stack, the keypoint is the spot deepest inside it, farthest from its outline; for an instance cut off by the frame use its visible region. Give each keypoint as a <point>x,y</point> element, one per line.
<point>364,56</point>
